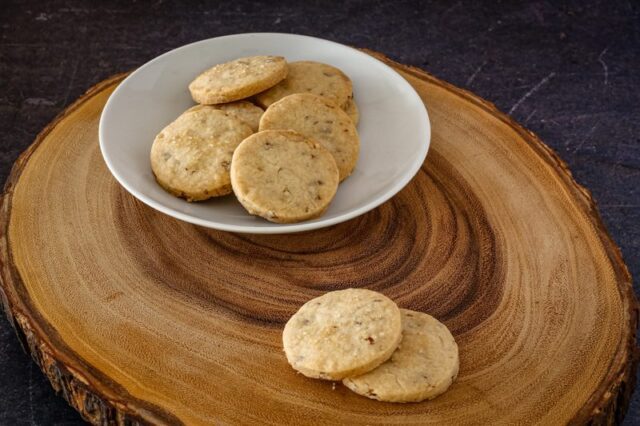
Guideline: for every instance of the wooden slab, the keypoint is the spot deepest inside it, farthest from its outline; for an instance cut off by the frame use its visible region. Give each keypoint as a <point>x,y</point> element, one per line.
<point>135,316</point>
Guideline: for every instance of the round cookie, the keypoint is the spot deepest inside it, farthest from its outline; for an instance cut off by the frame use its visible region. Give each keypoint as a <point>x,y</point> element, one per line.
<point>283,176</point>
<point>190,158</point>
<point>352,111</point>
<point>424,365</point>
<point>238,79</point>
<point>321,120</point>
<point>310,77</point>
<point>242,110</point>
<point>342,333</point>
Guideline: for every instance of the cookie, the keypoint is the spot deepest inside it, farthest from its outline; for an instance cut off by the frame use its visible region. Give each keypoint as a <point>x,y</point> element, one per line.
<point>310,77</point>
<point>238,79</point>
<point>321,120</point>
<point>191,157</point>
<point>283,176</point>
<point>424,365</point>
<point>342,333</point>
<point>352,111</point>
<point>242,110</point>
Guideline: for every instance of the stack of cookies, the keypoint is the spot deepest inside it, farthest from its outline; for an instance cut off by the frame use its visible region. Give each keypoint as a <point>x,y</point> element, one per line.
<point>377,350</point>
<point>280,136</point>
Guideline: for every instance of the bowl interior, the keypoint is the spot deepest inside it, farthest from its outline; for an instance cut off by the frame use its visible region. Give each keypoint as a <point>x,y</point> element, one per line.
<point>394,127</point>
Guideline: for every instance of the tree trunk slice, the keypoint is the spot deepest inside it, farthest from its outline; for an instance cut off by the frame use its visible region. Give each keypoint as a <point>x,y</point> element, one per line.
<point>138,317</point>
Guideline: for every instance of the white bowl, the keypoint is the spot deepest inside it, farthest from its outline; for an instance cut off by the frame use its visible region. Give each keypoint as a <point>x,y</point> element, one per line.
<point>394,128</point>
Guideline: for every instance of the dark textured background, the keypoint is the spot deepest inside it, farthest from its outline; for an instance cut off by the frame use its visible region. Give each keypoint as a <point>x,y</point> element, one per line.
<point>570,72</point>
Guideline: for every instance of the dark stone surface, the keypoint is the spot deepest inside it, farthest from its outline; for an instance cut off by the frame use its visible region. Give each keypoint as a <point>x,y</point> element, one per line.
<point>568,71</point>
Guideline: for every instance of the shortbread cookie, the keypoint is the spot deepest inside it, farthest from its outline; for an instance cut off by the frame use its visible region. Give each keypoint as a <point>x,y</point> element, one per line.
<point>321,120</point>
<point>191,157</point>
<point>238,79</point>
<point>352,111</point>
<point>310,77</point>
<point>283,176</point>
<point>242,110</point>
<point>424,365</point>
<point>342,334</point>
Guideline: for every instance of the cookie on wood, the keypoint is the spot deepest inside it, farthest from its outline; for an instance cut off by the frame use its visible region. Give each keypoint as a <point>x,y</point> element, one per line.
<point>238,79</point>
<point>310,77</point>
<point>342,333</point>
<point>283,176</point>
<point>191,157</point>
<point>423,367</point>
<point>321,120</point>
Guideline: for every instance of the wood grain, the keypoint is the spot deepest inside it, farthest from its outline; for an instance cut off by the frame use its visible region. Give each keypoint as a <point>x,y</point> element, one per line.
<point>137,317</point>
